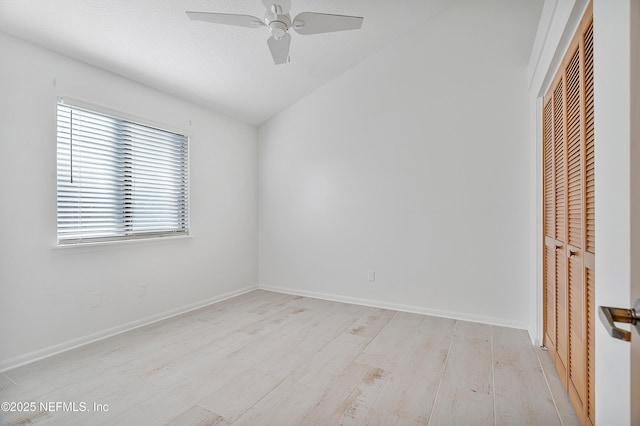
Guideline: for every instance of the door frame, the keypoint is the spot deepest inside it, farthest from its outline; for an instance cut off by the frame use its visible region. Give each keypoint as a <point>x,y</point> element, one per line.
<point>612,59</point>
<point>635,201</point>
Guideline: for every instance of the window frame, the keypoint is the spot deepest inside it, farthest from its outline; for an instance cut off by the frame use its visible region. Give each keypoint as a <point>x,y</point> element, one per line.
<point>135,120</point>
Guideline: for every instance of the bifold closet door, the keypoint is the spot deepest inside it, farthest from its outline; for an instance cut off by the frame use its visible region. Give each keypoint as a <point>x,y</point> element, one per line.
<point>569,244</point>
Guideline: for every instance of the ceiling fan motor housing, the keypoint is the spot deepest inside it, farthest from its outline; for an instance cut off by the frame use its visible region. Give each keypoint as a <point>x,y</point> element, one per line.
<point>278,24</point>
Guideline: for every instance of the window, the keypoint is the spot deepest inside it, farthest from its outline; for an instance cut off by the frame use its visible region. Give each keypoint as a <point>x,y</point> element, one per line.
<point>118,180</point>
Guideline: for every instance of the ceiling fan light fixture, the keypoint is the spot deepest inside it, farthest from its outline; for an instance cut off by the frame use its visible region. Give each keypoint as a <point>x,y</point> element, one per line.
<point>278,29</point>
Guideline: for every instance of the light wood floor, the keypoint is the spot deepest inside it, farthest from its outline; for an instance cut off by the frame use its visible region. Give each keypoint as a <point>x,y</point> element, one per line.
<point>272,359</point>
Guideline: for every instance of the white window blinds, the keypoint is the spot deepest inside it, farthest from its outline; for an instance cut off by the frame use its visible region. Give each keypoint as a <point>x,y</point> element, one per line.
<point>118,179</point>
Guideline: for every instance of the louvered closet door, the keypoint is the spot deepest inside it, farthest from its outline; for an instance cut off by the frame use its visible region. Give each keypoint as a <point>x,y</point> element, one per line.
<point>569,249</point>
<point>590,220</point>
<point>560,162</point>
<point>549,231</point>
<point>575,218</point>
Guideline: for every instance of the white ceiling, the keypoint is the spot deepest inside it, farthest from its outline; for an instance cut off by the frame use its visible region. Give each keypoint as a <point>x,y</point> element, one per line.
<point>225,68</point>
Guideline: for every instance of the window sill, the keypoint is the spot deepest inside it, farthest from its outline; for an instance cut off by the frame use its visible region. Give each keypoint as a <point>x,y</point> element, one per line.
<point>89,245</point>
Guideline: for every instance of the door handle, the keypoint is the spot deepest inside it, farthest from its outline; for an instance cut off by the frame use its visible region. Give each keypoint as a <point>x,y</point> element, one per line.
<point>609,316</point>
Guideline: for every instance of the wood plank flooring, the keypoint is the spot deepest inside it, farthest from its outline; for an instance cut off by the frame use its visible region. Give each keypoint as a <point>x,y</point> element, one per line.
<point>273,359</point>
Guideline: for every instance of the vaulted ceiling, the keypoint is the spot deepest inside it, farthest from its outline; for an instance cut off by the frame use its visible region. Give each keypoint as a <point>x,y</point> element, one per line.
<point>228,69</point>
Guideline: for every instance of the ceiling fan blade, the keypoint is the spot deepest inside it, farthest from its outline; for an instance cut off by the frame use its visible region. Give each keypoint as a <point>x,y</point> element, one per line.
<point>284,4</point>
<point>227,19</point>
<point>315,23</point>
<point>280,48</point>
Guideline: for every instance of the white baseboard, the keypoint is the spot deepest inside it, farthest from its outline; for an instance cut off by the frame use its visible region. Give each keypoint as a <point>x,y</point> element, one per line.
<point>21,360</point>
<point>396,307</point>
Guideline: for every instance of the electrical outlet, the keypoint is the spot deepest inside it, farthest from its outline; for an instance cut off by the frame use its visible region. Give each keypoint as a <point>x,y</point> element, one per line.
<point>372,276</point>
<point>96,299</point>
<point>143,289</point>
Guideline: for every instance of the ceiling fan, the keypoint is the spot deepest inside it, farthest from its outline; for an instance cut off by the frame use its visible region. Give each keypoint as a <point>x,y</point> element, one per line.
<point>278,20</point>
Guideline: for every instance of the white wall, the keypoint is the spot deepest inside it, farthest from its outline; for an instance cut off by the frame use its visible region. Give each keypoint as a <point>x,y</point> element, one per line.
<point>45,293</point>
<point>413,165</point>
